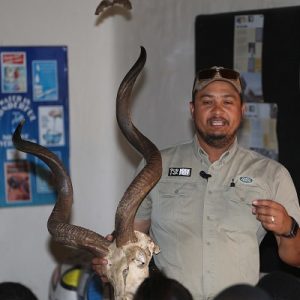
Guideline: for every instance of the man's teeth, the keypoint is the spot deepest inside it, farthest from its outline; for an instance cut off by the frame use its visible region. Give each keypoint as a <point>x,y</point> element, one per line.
<point>217,123</point>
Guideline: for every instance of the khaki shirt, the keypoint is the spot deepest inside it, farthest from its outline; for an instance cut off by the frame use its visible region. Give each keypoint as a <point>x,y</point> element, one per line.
<point>208,236</point>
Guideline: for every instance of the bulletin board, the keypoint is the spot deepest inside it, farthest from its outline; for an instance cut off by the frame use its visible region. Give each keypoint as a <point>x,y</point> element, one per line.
<point>34,87</point>
<point>280,63</point>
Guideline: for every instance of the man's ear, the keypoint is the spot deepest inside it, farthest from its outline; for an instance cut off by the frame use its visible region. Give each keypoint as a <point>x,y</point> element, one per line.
<point>243,109</point>
<point>192,108</point>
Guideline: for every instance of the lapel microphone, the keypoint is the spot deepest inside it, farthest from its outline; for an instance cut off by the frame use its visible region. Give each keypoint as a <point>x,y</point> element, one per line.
<point>204,175</point>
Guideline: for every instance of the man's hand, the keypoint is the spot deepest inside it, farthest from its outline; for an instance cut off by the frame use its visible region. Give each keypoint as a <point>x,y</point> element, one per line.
<point>99,266</point>
<point>99,263</point>
<point>272,215</point>
<point>275,218</point>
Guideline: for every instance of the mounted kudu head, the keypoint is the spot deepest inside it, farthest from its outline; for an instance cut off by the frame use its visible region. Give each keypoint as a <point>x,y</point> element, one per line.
<point>129,254</point>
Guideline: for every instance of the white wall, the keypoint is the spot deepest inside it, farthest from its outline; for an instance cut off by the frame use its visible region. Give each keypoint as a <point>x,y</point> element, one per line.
<point>101,50</point>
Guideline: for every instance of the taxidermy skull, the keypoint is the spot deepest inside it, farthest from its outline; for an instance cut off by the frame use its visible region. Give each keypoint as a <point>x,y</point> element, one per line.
<point>130,253</point>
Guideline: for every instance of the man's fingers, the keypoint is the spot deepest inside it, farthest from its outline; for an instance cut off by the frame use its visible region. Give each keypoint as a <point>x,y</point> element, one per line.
<point>99,261</point>
<point>110,237</point>
<point>269,220</point>
<point>264,203</point>
<point>98,264</point>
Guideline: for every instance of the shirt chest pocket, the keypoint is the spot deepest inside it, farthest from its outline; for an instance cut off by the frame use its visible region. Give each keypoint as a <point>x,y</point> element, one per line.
<point>175,200</point>
<point>238,208</point>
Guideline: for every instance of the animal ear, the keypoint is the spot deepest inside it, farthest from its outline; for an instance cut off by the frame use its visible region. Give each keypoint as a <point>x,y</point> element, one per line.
<point>156,249</point>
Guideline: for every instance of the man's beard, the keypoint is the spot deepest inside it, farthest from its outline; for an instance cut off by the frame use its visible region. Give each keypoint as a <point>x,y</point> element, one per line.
<point>218,140</point>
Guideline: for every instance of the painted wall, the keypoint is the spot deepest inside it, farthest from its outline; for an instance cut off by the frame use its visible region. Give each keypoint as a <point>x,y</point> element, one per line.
<point>101,50</point>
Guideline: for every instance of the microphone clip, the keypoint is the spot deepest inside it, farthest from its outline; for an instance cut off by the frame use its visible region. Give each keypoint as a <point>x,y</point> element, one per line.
<point>204,175</point>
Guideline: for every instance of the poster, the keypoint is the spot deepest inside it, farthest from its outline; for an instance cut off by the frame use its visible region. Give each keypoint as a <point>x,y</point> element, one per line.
<point>34,87</point>
<point>258,131</point>
<point>248,41</point>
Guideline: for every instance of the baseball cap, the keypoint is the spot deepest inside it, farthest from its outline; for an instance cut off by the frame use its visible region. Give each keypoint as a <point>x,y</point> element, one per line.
<point>206,76</point>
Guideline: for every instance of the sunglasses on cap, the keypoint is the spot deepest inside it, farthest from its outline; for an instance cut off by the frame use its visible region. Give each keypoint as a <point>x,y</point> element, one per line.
<point>206,76</point>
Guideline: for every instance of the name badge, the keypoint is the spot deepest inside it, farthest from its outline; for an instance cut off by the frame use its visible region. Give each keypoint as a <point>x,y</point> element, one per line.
<point>186,172</point>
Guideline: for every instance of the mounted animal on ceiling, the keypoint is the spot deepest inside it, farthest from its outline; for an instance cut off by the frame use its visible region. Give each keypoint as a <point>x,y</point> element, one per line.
<point>130,253</point>
<point>105,4</point>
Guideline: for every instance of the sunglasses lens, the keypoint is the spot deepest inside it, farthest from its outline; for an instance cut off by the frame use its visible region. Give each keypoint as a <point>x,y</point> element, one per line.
<point>206,74</point>
<point>229,74</point>
<point>211,73</point>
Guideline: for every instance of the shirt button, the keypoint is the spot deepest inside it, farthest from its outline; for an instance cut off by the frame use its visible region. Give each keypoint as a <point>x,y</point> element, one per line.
<point>210,192</point>
<point>208,243</point>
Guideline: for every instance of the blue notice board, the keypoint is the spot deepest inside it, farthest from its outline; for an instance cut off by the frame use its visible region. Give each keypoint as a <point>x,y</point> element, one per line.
<point>34,87</point>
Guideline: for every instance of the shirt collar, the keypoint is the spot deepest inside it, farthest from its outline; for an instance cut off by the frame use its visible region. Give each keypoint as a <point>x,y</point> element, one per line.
<point>203,156</point>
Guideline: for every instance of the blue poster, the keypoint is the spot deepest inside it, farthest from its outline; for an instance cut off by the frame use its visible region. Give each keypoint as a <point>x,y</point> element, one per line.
<point>34,87</point>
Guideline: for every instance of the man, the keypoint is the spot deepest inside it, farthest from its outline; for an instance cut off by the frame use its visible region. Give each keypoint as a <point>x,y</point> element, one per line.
<point>216,200</point>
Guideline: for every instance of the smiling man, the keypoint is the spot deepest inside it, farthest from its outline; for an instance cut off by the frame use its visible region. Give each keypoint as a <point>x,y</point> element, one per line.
<point>216,200</point>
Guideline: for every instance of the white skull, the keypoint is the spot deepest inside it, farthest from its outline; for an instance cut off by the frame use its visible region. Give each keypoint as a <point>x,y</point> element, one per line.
<point>128,265</point>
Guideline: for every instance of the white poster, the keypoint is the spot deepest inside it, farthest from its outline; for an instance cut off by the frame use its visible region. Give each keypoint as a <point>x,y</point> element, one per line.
<point>248,37</point>
<point>258,131</point>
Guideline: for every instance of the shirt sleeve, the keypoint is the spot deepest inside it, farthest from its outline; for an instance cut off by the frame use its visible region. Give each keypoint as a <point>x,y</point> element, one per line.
<point>286,194</point>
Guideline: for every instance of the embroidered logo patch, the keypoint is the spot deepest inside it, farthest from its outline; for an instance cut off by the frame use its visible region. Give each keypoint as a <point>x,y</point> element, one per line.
<point>187,172</point>
<point>246,179</point>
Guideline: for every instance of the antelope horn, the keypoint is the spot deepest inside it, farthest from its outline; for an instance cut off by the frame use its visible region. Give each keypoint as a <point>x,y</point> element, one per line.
<point>58,225</point>
<point>150,174</point>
